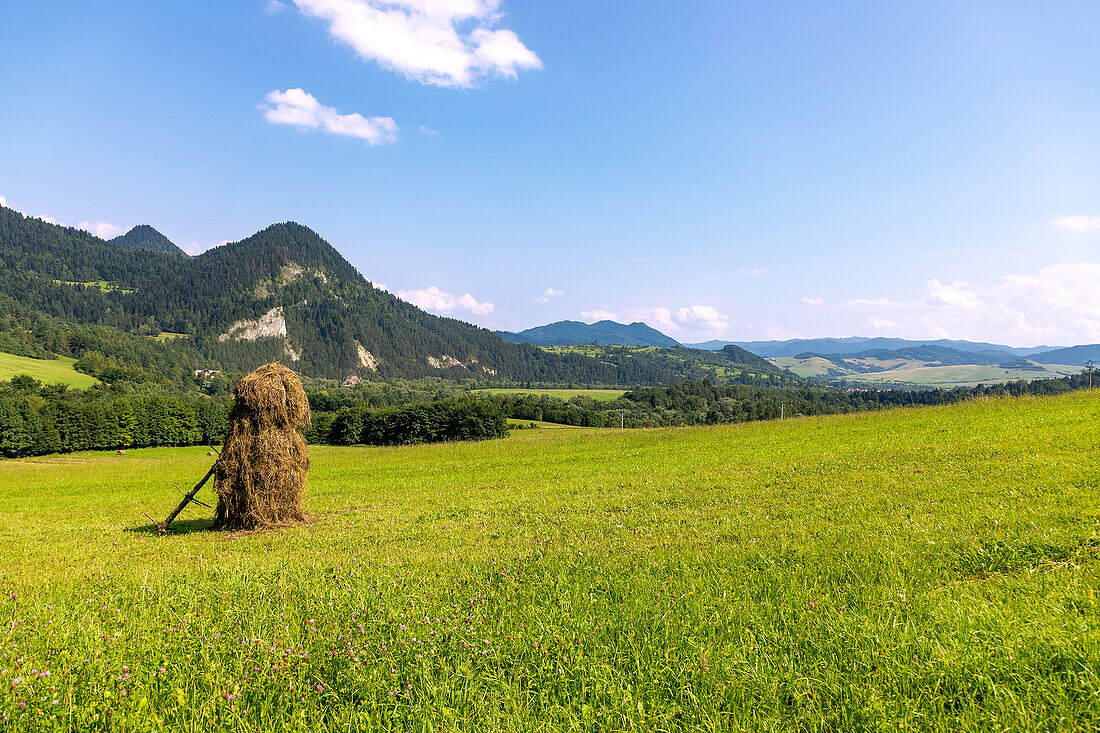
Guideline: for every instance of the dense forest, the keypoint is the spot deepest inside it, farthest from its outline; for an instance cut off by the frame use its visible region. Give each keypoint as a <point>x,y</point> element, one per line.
<point>37,419</point>
<point>329,320</point>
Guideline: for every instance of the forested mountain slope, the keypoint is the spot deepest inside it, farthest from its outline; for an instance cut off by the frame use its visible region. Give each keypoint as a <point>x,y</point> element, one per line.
<point>282,294</point>
<point>146,237</point>
<point>567,333</point>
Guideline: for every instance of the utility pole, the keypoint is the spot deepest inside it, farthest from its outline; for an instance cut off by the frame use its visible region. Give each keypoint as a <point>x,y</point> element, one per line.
<point>1090,365</point>
<point>622,419</point>
<point>782,409</point>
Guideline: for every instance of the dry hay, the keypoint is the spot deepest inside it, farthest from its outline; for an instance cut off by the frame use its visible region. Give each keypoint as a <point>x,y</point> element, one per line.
<point>261,474</point>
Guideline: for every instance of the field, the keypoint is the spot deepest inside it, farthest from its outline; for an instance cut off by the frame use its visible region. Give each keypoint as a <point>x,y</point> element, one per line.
<point>911,372</point>
<point>103,285</point>
<point>169,336</point>
<point>50,372</point>
<point>600,395</point>
<point>540,424</point>
<point>966,375</point>
<point>928,569</point>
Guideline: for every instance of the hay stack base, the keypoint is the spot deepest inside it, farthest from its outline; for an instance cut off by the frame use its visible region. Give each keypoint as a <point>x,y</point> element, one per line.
<point>260,477</point>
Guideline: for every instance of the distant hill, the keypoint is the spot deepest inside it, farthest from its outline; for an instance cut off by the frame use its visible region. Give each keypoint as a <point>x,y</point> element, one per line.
<point>144,236</point>
<point>930,355</point>
<point>856,344</point>
<point>1072,355</point>
<point>926,366</point>
<point>573,333</point>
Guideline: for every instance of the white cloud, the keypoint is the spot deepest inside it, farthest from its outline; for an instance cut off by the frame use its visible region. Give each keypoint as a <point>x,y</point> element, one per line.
<point>686,324</point>
<point>438,301</point>
<point>548,294</point>
<point>425,130</point>
<point>811,301</point>
<point>194,248</point>
<point>273,7</point>
<point>703,318</point>
<point>1055,305</point>
<point>101,229</point>
<point>754,272</point>
<point>48,219</point>
<point>600,314</point>
<point>3,201</point>
<point>448,43</point>
<point>301,109</point>
<point>1078,223</point>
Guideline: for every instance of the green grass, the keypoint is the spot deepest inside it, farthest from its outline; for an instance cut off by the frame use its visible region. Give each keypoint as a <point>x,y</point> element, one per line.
<point>540,424</point>
<point>814,366</point>
<point>106,287</point>
<point>169,336</point>
<point>900,371</point>
<point>967,375</point>
<point>600,395</point>
<point>58,371</point>
<point>930,569</point>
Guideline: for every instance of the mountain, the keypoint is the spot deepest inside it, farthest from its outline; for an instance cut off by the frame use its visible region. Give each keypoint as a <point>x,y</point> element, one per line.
<point>929,355</point>
<point>855,344</point>
<point>282,294</point>
<point>568,333</point>
<point>144,236</point>
<point>1072,355</point>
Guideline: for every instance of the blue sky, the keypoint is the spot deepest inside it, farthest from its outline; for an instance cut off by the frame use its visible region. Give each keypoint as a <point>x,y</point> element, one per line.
<point>717,169</point>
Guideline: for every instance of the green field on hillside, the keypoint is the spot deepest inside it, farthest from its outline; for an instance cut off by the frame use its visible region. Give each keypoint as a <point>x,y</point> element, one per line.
<point>930,569</point>
<point>59,371</point>
<point>600,395</point>
<point>965,375</point>
<point>911,372</point>
<point>103,285</point>
<point>516,422</point>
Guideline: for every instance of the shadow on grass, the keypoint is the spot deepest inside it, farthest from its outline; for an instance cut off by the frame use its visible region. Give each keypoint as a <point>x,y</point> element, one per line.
<point>180,526</point>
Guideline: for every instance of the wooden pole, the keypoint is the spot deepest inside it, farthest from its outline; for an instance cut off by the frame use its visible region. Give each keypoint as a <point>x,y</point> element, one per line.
<point>162,528</point>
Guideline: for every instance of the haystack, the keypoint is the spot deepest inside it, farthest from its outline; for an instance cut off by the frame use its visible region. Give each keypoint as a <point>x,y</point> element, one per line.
<point>261,474</point>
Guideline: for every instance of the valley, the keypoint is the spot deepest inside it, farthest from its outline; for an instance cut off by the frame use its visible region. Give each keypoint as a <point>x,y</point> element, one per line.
<point>916,373</point>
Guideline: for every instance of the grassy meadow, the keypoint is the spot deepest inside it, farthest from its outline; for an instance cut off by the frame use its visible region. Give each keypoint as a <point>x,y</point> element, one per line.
<point>920,374</point>
<point>48,371</point>
<point>917,569</point>
<point>600,395</point>
<point>169,336</point>
<point>515,422</point>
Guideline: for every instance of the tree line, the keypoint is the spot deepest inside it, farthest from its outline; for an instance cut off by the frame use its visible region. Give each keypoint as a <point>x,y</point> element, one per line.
<point>36,419</point>
<point>705,403</point>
